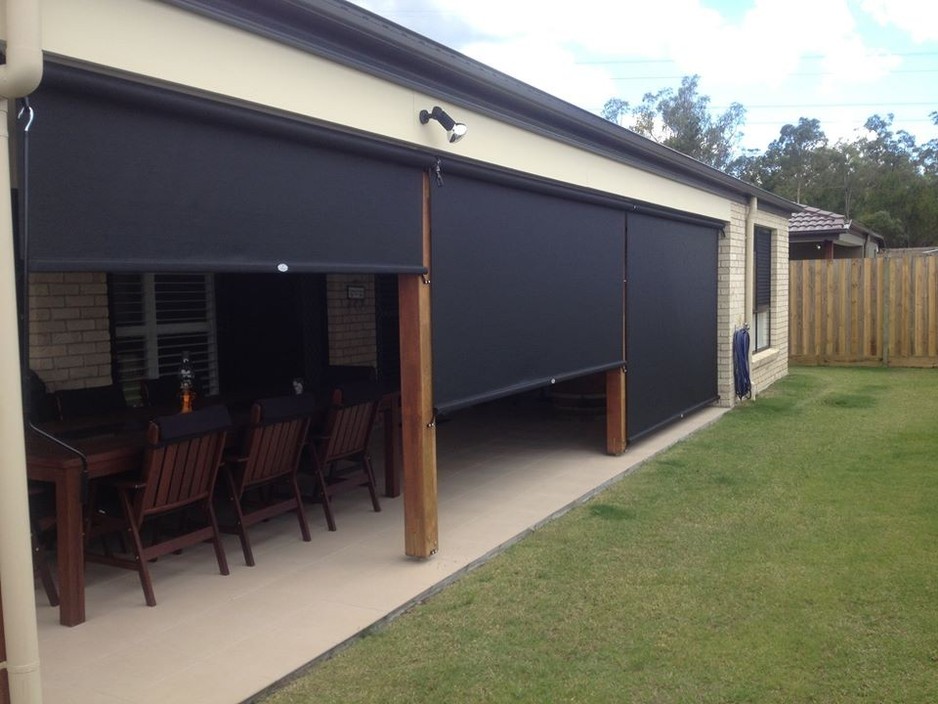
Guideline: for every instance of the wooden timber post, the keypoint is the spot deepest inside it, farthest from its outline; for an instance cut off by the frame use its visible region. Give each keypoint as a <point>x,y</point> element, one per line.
<point>615,411</point>
<point>418,430</point>
<point>616,381</point>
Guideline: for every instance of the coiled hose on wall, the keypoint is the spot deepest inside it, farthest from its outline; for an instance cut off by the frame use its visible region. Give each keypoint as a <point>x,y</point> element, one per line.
<point>741,363</point>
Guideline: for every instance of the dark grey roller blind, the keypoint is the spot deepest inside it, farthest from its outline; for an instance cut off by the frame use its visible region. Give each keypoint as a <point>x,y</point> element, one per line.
<point>671,320</point>
<point>136,178</point>
<point>526,288</point>
<point>763,256</point>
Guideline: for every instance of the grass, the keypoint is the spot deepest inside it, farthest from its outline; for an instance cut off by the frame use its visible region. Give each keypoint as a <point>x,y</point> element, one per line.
<point>789,553</point>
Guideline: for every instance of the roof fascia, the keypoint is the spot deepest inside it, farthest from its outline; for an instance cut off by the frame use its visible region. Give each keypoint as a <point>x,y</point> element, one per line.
<point>351,36</point>
<point>863,231</point>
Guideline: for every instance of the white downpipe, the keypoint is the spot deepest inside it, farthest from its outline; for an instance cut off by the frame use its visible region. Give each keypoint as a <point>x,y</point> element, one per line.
<point>18,77</point>
<point>749,298</point>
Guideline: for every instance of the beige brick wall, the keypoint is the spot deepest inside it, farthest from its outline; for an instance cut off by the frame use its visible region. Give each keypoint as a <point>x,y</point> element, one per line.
<point>352,330</point>
<point>769,365</point>
<point>731,287</point>
<point>69,339</point>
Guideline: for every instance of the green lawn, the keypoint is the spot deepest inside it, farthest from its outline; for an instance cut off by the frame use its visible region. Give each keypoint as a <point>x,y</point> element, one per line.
<point>789,553</point>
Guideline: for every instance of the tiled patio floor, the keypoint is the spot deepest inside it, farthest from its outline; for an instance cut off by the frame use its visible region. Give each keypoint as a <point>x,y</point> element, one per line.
<point>503,469</point>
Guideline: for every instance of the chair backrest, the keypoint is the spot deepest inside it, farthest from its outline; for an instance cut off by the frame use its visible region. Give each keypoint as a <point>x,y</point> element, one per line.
<point>275,438</point>
<point>162,391</point>
<point>338,374</point>
<point>41,403</point>
<point>92,401</point>
<point>347,429</point>
<point>182,458</point>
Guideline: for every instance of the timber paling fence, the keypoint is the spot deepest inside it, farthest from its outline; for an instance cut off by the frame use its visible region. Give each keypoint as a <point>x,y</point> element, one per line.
<point>881,311</point>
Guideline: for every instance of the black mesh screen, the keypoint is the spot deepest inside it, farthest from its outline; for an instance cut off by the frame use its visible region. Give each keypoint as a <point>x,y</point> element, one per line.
<point>526,287</point>
<point>671,320</point>
<point>126,177</point>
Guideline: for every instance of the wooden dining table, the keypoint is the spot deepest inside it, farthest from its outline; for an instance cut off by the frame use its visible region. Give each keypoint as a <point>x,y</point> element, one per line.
<point>112,445</point>
<point>107,454</point>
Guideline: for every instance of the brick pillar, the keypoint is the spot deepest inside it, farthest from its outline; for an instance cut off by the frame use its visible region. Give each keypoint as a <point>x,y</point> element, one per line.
<point>69,329</point>
<point>351,314</point>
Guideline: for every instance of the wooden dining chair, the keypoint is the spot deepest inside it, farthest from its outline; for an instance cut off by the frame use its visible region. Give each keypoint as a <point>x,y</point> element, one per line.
<point>180,466</point>
<point>270,458</point>
<point>91,401</point>
<point>162,391</point>
<point>341,459</point>
<point>39,401</point>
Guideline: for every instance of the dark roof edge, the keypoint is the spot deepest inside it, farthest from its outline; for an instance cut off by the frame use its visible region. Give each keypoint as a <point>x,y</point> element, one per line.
<point>867,232</point>
<point>352,36</point>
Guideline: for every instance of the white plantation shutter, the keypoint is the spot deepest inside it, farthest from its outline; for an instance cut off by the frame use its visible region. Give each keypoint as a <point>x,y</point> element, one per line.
<point>156,318</point>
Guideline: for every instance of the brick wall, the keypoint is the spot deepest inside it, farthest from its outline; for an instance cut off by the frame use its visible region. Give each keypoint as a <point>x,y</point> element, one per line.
<point>69,339</point>
<point>768,365</point>
<point>731,290</point>
<point>352,336</point>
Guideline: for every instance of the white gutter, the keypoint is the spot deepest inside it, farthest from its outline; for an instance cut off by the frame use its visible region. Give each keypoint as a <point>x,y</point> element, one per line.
<point>750,274</point>
<point>19,76</point>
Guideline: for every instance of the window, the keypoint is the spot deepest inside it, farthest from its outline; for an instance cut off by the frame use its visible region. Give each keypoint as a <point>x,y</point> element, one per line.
<point>157,317</point>
<point>763,288</point>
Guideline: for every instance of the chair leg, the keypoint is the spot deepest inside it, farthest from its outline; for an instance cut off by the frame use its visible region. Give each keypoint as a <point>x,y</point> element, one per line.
<point>45,572</point>
<point>300,513</point>
<point>324,491</point>
<point>142,571</point>
<point>372,488</point>
<point>233,496</point>
<point>216,538</point>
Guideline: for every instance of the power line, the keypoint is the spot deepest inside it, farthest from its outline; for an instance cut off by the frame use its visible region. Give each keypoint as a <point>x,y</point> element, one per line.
<point>830,122</point>
<point>813,57</point>
<point>780,106</point>
<point>798,75</point>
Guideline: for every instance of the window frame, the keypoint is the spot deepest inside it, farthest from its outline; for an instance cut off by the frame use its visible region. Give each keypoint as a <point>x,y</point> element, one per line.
<point>150,330</point>
<point>763,287</point>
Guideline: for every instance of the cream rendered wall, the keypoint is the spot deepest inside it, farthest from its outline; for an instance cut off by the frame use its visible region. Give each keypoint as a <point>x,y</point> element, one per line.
<point>170,45</point>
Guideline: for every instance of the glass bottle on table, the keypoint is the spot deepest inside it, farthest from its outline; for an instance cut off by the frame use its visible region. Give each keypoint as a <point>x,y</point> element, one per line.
<point>186,384</point>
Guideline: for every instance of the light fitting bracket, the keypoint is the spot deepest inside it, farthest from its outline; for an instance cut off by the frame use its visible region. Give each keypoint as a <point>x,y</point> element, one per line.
<point>454,130</point>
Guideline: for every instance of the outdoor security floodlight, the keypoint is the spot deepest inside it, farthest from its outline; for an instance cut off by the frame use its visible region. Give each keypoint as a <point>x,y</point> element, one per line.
<point>454,130</point>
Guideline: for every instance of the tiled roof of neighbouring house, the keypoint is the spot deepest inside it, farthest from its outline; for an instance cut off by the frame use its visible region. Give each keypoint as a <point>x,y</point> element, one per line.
<point>816,220</point>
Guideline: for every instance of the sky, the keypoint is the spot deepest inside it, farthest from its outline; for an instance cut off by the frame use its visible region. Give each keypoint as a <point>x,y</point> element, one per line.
<point>837,61</point>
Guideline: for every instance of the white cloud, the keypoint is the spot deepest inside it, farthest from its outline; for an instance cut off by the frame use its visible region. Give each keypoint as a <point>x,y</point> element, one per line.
<point>917,18</point>
<point>765,46</point>
<point>779,58</point>
<point>548,67</point>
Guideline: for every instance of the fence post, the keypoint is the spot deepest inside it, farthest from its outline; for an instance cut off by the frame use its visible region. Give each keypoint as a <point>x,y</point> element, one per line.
<point>886,269</point>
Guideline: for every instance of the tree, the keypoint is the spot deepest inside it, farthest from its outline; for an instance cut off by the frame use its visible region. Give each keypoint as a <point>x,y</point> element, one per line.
<point>615,110</point>
<point>682,120</point>
<point>791,161</point>
<point>883,179</point>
